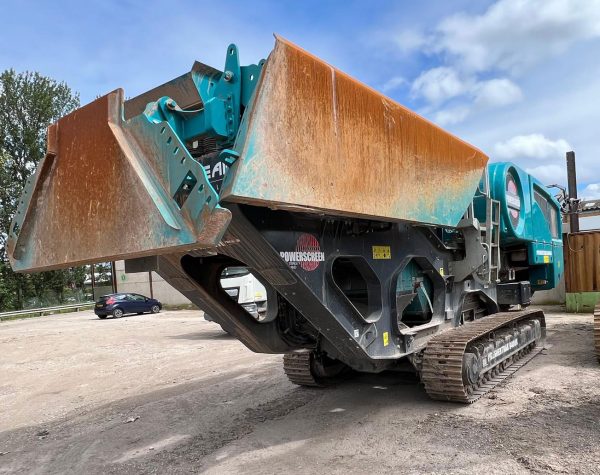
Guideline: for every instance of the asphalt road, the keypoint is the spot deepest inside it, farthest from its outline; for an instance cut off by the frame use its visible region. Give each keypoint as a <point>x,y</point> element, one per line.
<point>171,393</point>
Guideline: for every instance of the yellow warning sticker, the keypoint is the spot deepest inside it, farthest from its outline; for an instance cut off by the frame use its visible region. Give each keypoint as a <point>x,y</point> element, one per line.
<point>442,271</point>
<point>382,252</point>
<point>546,259</point>
<point>386,338</point>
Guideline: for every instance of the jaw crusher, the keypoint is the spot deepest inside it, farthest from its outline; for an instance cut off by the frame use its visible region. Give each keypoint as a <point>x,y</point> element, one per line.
<point>380,238</point>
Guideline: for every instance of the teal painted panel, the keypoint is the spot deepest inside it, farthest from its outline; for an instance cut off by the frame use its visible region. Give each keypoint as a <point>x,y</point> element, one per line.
<point>530,217</point>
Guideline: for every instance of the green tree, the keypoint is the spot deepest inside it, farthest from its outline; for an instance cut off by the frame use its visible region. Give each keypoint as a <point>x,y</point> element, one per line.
<point>29,102</point>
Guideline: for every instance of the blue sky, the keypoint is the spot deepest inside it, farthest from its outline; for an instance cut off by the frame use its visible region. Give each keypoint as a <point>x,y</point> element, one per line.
<point>518,78</point>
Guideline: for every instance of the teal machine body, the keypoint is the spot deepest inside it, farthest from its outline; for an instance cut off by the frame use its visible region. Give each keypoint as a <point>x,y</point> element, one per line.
<point>530,226</point>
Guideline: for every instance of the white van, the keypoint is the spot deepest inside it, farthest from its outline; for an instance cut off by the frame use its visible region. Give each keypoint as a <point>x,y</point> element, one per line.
<point>246,290</point>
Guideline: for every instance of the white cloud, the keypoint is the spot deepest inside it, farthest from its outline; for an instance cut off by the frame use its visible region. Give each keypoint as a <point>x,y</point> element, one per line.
<point>437,85</point>
<point>591,192</point>
<point>497,93</point>
<point>511,36</point>
<point>393,83</point>
<point>515,34</point>
<point>451,116</point>
<point>408,40</point>
<point>535,146</point>
<point>441,84</point>
<point>549,174</point>
<point>547,50</point>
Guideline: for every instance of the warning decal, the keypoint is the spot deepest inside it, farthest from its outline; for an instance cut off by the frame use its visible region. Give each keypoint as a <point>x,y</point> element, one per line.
<point>382,252</point>
<point>386,338</point>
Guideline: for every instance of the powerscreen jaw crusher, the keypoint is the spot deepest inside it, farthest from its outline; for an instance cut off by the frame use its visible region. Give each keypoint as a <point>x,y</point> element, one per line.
<point>381,239</point>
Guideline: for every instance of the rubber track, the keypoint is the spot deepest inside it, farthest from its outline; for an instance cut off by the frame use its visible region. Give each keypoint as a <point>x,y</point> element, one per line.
<point>297,367</point>
<point>442,362</point>
<point>597,330</point>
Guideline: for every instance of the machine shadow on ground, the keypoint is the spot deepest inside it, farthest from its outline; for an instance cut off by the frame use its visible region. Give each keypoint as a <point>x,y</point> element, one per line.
<point>211,413</point>
<point>204,335</point>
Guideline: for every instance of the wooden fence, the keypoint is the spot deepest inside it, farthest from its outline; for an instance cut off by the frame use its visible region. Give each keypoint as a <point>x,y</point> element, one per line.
<point>582,262</point>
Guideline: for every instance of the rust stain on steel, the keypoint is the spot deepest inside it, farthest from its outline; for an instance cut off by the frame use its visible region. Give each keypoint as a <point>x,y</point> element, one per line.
<point>94,201</point>
<point>182,90</point>
<point>320,140</point>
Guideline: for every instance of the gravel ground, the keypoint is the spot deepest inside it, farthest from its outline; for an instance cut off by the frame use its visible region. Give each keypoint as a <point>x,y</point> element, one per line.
<point>172,393</point>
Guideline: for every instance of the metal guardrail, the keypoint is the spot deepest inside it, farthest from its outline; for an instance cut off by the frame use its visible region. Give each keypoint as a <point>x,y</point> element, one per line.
<point>42,311</point>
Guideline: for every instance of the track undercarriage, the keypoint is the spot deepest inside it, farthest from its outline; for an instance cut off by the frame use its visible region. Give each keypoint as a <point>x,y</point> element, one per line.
<point>309,368</point>
<point>463,364</point>
<point>459,365</point>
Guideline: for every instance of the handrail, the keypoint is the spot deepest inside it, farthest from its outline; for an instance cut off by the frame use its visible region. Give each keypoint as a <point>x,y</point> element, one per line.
<point>41,311</point>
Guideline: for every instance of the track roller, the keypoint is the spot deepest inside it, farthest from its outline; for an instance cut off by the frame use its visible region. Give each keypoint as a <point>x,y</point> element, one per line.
<point>465,363</point>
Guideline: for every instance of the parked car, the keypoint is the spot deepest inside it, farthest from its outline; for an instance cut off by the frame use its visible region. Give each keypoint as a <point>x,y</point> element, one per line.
<point>119,304</point>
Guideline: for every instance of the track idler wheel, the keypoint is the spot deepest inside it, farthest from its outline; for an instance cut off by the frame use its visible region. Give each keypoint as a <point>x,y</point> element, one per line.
<point>309,368</point>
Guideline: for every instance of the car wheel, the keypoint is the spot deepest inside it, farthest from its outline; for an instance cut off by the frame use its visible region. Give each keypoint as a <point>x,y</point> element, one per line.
<point>101,317</point>
<point>117,313</point>
<point>155,309</point>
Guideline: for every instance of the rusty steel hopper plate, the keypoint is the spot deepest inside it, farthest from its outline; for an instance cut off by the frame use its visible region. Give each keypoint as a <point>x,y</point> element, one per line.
<point>319,141</point>
<point>313,139</point>
<point>104,192</point>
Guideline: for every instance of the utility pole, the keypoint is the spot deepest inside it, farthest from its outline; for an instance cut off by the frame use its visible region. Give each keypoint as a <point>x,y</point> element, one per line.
<point>113,274</point>
<point>93,278</point>
<point>572,190</point>
<point>150,282</point>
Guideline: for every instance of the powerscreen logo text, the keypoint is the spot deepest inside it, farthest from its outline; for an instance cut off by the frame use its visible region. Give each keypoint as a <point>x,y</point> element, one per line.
<point>307,255</point>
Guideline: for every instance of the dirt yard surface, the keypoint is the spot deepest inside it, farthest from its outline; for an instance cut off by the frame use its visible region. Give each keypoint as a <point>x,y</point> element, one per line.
<point>172,393</point>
